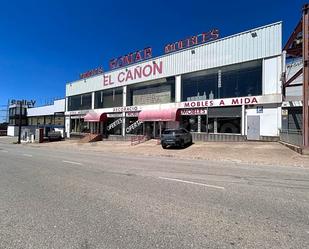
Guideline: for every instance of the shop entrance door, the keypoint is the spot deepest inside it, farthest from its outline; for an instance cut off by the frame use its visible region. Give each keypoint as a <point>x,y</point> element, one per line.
<point>253,127</point>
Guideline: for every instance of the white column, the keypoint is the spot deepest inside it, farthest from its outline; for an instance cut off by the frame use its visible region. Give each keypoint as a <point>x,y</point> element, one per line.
<point>92,101</point>
<point>243,120</point>
<point>67,126</point>
<point>66,104</point>
<point>124,103</point>
<point>178,88</point>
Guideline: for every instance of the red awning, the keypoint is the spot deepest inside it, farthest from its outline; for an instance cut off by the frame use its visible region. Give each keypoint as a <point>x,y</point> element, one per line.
<point>159,115</point>
<point>95,117</point>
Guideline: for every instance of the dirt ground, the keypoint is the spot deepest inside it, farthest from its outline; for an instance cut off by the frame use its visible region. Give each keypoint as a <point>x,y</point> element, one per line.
<point>262,153</point>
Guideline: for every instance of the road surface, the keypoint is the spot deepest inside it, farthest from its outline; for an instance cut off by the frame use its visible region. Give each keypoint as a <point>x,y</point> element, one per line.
<point>53,198</point>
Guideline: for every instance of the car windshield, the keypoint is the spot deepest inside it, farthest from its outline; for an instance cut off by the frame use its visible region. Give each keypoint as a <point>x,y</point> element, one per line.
<point>172,131</point>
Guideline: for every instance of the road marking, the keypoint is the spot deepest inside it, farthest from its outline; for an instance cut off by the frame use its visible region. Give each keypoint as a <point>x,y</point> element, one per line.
<point>72,162</point>
<point>27,155</point>
<point>5,151</point>
<point>195,183</point>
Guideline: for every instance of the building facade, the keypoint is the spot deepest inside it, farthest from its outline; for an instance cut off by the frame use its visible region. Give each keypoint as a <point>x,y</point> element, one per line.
<point>230,85</point>
<point>48,117</point>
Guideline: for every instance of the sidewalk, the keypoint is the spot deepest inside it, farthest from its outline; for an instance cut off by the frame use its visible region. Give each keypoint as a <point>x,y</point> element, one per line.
<point>262,153</point>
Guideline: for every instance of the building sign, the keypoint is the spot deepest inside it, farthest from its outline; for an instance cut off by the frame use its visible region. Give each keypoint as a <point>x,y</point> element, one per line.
<point>259,109</point>
<point>132,114</point>
<point>193,112</point>
<point>154,95</point>
<point>23,102</point>
<point>126,109</point>
<point>90,73</point>
<point>222,102</point>
<point>138,72</point>
<point>192,41</point>
<point>130,58</point>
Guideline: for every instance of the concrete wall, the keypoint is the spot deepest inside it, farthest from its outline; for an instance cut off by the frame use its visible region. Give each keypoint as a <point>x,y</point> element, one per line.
<point>12,131</point>
<point>58,106</point>
<point>270,119</point>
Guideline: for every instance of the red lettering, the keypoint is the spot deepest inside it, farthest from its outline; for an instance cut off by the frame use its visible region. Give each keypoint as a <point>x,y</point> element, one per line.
<point>194,40</point>
<point>222,102</point>
<point>105,81</point>
<point>247,100</point>
<point>214,34</point>
<point>112,63</point>
<point>187,104</point>
<point>147,53</point>
<point>128,59</point>
<point>193,104</point>
<point>122,78</point>
<point>129,75</point>
<point>180,44</point>
<point>157,68</point>
<point>138,56</point>
<point>137,72</point>
<point>254,101</point>
<point>235,102</point>
<point>145,73</point>
<point>211,102</point>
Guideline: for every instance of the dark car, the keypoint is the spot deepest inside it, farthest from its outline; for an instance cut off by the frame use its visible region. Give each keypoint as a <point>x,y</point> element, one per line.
<point>176,137</point>
<point>54,136</point>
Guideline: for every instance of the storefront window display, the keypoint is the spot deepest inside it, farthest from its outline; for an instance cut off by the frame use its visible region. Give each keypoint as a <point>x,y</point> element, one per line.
<point>78,125</point>
<point>114,126</point>
<point>133,126</point>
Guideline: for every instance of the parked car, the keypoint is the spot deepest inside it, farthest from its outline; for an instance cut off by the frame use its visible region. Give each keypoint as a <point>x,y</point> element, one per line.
<point>176,137</point>
<point>54,136</point>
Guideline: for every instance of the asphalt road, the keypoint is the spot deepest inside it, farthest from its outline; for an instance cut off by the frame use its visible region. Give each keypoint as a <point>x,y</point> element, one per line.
<point>53,198</point>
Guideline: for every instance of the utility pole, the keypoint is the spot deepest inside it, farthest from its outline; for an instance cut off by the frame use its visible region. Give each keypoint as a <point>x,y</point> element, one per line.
<point>305,27</point>
<point>20,115</point>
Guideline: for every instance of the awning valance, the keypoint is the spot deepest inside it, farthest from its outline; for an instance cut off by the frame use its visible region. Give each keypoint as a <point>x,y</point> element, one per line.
<point>95,117</point>
<point>171,114</point>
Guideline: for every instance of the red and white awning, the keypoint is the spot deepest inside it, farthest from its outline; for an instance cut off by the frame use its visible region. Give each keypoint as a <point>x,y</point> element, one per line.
<point>171,114</point>
<point>95,117</point>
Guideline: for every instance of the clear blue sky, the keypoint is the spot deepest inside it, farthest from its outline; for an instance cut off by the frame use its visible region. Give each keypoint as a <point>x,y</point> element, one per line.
<point>44,44</point>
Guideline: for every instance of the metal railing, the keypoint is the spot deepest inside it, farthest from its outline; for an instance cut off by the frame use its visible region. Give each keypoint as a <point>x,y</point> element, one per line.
<point>294,137</point>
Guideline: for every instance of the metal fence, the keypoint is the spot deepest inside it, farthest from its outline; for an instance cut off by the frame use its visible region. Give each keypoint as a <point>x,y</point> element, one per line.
<point>294,137</point>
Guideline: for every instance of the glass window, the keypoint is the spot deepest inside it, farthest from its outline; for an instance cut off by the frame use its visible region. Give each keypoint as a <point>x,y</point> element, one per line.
<point>153,92</point>
<point>108,98</point>
<point>133,126</point>
<point>114,126</point>
<point>80,102</point>
<point>239,80</point>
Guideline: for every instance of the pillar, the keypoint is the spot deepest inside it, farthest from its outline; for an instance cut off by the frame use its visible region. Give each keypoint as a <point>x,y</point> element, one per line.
<point>178,88</point>
<point>243,120</point>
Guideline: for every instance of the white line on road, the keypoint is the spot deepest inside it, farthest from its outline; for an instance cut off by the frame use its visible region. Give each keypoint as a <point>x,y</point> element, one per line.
<point>71,162</point>
<point>27,155</point>
<point>195,183</point>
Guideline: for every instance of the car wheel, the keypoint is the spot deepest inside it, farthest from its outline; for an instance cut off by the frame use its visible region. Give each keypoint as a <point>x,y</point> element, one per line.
<point>164,146</point>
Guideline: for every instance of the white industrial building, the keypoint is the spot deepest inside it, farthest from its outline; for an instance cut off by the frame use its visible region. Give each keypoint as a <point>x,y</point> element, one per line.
<point>229,86</point>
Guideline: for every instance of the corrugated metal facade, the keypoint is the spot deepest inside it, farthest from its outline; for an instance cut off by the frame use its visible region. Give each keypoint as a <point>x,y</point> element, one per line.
<point>254,44</point>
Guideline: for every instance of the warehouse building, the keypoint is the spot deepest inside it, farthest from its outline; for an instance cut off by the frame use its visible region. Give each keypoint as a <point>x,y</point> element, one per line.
<point>215,87</point>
